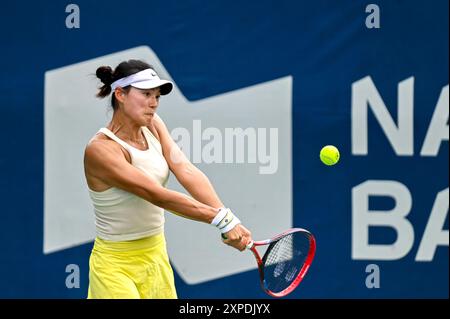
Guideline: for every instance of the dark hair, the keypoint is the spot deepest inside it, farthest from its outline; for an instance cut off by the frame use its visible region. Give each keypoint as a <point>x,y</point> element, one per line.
<point>108,76</point>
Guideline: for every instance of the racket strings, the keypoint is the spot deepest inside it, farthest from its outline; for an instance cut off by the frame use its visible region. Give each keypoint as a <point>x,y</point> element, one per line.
<point>283,261</point>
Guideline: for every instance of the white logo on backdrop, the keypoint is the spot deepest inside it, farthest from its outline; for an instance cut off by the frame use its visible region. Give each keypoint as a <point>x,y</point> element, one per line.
<point>255,182</point>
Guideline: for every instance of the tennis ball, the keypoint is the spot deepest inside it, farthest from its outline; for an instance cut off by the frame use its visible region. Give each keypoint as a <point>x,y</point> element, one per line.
<point>329,155</point>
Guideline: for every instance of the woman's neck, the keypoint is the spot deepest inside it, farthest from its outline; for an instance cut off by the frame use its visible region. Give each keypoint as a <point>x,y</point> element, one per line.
<point>124,129</point>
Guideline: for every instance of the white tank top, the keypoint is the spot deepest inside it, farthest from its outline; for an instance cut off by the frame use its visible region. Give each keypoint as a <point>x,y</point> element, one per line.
<point>120,215</point>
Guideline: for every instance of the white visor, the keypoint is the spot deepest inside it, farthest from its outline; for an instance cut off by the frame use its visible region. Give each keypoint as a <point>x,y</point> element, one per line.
<point>146,79</point>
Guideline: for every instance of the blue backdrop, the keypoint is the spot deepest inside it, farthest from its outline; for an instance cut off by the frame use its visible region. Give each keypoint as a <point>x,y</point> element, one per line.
<point>211,47</point>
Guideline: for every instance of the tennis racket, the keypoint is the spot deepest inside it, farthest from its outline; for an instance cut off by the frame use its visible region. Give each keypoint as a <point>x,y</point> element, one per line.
<point>285,261</point>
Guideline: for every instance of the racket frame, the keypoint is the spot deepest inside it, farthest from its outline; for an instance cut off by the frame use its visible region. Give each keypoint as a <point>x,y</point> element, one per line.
<point>309,258</point>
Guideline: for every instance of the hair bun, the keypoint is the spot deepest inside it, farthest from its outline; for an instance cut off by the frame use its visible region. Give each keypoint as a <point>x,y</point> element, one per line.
<point>105,74</point>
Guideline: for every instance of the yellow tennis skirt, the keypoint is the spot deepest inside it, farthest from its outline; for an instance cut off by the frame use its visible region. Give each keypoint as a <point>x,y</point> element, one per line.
<point>131,269</point>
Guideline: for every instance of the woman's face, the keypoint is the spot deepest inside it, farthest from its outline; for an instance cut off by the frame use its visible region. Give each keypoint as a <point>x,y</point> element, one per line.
<point>141,104</point>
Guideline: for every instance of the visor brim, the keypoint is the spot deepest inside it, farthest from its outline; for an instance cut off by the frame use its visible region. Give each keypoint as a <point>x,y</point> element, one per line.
<point>165,86</point>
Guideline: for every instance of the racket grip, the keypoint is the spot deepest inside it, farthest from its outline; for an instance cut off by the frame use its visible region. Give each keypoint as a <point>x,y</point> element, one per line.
<point>248,246</point>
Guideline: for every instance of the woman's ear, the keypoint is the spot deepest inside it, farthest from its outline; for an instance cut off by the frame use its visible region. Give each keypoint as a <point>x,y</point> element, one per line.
<point>119,95</point>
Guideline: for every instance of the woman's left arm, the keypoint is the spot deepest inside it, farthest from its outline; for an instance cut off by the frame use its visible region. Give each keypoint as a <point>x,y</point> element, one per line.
<point>192,179</point>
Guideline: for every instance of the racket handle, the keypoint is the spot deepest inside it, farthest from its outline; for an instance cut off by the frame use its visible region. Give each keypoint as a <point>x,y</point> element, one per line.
<point>248,246</point>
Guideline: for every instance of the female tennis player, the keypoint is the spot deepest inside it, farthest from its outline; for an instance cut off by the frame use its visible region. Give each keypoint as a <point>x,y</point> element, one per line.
<point>127,166</point>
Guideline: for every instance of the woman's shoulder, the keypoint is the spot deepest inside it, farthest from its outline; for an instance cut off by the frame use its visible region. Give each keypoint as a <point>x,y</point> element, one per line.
<point>157,127</point>
<point>99,144</point>
<point>97,140</point>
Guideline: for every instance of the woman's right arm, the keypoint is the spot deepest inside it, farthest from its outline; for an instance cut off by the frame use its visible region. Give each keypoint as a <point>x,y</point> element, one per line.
<point>107,163</point>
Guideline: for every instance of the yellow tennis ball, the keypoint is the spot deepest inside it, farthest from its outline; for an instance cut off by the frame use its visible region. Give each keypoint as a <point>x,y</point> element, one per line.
<point>329,155</point>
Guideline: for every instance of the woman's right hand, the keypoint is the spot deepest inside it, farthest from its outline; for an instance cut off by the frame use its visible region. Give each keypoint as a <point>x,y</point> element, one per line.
<point>238,237</point>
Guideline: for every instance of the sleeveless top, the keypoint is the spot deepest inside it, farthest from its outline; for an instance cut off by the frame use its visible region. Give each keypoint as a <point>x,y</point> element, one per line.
<point>123,216</point>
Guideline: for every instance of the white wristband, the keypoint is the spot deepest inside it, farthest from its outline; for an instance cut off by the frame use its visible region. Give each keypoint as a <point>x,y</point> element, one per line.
<point>225,220</point>
<point>220,215</point>
<point>231,225</point>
